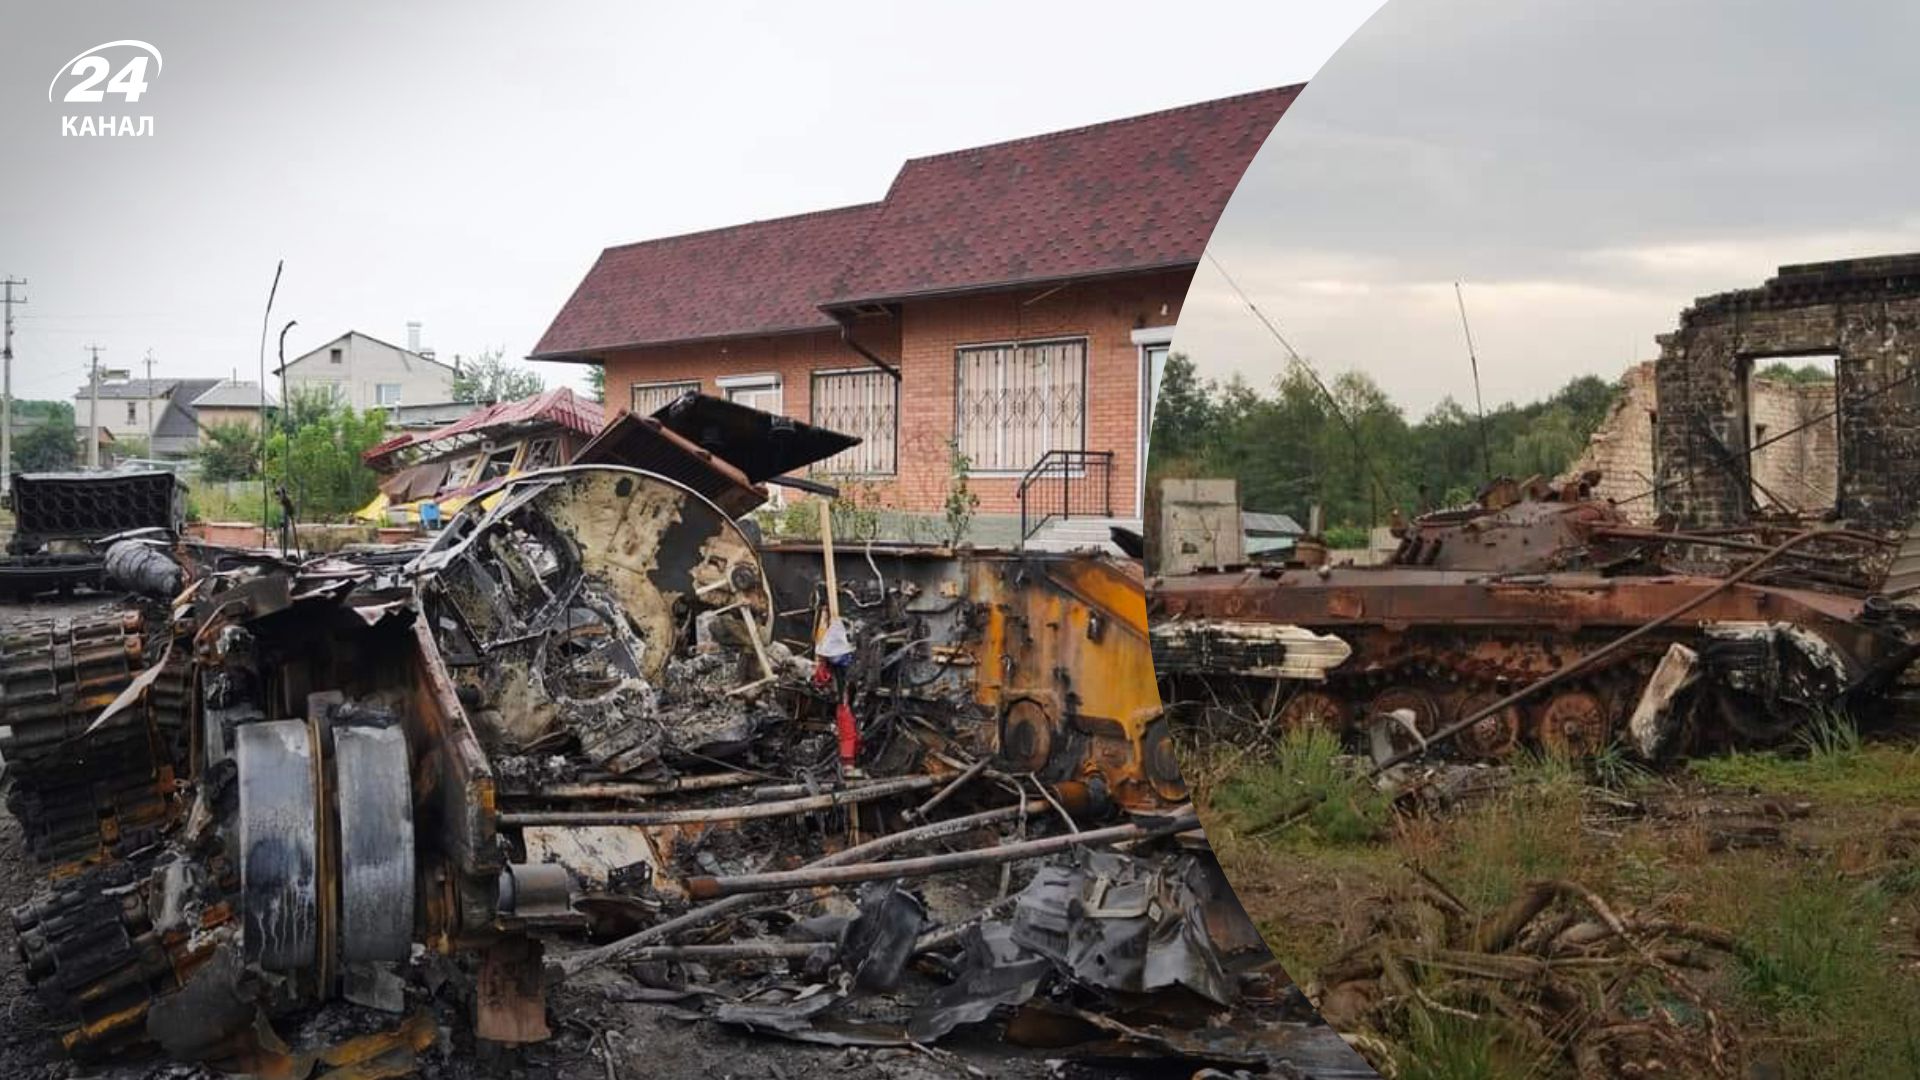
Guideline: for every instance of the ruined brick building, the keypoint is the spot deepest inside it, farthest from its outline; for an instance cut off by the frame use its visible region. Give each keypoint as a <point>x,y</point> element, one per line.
<point>1689,420</point>
<point>1798,471</point>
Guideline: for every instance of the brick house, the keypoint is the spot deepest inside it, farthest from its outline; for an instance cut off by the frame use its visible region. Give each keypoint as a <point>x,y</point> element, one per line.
<point>1014,299</point>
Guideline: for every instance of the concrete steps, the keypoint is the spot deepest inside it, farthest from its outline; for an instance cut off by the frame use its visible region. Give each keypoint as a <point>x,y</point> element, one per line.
<point>1073,534</point>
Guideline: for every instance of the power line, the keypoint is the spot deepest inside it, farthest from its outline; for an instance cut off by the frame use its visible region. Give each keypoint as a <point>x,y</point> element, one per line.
<point>1359,446</point>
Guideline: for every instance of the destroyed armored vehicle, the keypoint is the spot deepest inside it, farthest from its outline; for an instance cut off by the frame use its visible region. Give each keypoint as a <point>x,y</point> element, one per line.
<point>594,721</point>
<point>1540,618</point>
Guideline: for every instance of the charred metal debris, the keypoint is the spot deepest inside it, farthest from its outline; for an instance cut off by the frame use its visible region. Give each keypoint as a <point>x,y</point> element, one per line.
<point>1541,619</point>
<point>865,796</point>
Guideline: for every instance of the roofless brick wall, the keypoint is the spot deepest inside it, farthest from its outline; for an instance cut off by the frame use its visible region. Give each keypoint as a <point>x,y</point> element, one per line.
<point>1864,312</point>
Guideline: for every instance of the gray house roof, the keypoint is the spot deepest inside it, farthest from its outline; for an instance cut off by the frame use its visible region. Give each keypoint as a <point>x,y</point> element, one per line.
<point>228,394</point>
<point>179,422</point>
<point>315,351</point>
<point>129,388</point>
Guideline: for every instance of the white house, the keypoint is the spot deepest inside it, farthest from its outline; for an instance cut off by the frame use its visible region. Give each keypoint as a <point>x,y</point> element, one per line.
<point>130,407</point>
<point>369,373</point>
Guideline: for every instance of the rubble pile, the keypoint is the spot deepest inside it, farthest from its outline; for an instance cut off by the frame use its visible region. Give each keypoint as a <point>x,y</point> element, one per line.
<point>324,816</point>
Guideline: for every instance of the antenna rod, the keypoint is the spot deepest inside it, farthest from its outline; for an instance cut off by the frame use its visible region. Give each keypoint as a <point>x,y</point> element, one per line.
<point>266,510</point>
<point>1486,451</point>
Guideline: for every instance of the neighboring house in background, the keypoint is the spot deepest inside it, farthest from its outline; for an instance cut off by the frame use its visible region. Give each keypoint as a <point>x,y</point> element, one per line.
<point>369,373</point>
<point>1024,294</point>
<point>231,402</point>
<point>159,411</point>
<point>454,462</point>
<point>132,407</point>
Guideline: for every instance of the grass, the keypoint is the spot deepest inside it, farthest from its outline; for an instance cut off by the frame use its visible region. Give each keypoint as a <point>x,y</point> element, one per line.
<point>1305,790</point>
<point>1816,984</point>
<point>1813,965</point>
<point>1830,761</point>
<point>1442,1047</point>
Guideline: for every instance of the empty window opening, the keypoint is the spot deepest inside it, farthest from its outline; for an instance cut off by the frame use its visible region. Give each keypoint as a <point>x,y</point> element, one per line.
<point>1793,432</point>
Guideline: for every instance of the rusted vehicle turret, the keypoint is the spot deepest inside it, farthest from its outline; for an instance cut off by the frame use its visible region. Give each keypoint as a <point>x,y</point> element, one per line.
<point>1539,617</point>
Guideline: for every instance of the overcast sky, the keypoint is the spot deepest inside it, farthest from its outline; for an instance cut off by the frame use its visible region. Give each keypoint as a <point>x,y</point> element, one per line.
<point>463,164</point>
<point>1585,169</point>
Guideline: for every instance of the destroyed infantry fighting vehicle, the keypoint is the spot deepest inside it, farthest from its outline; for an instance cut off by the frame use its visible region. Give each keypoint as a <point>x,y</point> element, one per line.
<point>592,719</point>
<point>1540,618</point>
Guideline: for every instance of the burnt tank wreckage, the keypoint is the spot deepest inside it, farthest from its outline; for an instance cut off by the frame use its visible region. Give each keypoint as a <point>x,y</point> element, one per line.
<point>595,708</point>
<point>1540,618</point>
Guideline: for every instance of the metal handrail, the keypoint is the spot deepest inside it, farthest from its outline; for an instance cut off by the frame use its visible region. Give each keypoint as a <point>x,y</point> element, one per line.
<point>1069,469</point>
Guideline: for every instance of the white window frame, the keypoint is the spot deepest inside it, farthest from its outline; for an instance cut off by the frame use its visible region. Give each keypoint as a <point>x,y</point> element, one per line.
<point>763,381</point>
<point>633,391</point>
<point>813,409</point>
<point>1145,340</point>
<point>380,398</point>
<point>1086,367</point>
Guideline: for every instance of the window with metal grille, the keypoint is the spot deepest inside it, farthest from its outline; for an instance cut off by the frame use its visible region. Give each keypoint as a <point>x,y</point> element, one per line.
<point>1015,402</point>
<point>649,398</point>
<point>860,402</point>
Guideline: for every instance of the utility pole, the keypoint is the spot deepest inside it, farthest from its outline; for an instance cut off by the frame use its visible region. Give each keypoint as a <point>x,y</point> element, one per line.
<point>6,385</point>
<point>149,391</point>
<point>93,408</point>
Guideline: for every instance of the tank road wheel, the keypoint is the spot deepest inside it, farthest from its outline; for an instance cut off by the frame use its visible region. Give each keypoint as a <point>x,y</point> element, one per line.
<point>1574,724</point>
<point>1391,712</point>
<point>1310,709</point>
<point>1494,736</point>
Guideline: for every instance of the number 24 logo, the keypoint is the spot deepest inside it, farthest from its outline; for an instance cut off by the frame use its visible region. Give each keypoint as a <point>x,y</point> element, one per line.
<point>129,82</point>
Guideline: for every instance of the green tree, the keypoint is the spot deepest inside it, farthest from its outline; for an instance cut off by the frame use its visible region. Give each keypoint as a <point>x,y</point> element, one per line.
<point>1183,415</point>
<point>489,378</point>
<point>229,451</point>
<point>1780,371</point>
<point>316,454</point>
<point>50,447</point>
<point>597,382</point>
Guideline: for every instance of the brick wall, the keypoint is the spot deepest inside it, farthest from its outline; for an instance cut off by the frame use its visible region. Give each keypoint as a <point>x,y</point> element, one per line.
<point>1621,448</point>
<point>1864,311</point>
<point>1800,470</point>
<point>924,339</point>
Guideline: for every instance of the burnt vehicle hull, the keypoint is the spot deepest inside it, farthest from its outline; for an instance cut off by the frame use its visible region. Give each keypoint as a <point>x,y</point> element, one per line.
<point>1557,595</point>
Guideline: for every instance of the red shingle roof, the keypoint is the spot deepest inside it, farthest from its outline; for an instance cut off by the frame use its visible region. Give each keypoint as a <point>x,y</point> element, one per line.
<point>1130,195</point>
<point>559,405</point>
<point>767,277</point>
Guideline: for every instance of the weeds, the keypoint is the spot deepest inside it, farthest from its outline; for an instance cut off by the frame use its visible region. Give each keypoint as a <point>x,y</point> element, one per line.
<point>1810,960</point>
<point>1306,782</point>
<point>1840,770</point>
<point>1443,1047</point>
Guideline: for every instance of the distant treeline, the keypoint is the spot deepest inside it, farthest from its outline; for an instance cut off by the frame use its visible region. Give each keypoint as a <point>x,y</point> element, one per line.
<point>1289,449</point>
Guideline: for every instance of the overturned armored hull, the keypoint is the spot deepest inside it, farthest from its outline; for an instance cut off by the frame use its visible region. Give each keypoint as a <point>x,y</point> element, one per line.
<point>1542,619</point>
<point>594,725</point>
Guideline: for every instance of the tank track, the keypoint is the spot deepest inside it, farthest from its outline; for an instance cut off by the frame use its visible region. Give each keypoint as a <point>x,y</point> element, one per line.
<point>78,795</point>
<point>94,957</point>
